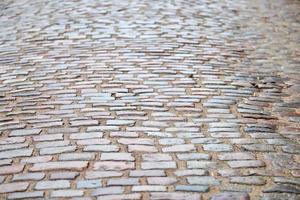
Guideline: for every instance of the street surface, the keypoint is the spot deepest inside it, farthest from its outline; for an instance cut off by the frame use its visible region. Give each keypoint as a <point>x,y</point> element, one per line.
<point>150,99</point>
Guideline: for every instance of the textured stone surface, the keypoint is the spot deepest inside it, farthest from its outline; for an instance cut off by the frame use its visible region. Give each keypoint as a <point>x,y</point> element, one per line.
<point>143,99</point>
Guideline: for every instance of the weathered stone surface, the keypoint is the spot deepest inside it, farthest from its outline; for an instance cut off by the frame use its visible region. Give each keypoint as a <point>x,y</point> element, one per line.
<point>232,196</point>
<point>158,165</point>
<point>192,188</point>
<point>11,169</point>
<point>113,165</point>
<point>248,180</point>
<point>16,153</point>
<point>102,174</point>
<point>149,99</point>
<point>282,189</point>
<point>63,175</point>
<point>174,196</point>
<point>66,193</point>
<point>246,164</point>
<point>24,195</point>
<point>28,176</point>
<point>203,180</point>
<point>152,188</point>
<point>66,165</point>
<point>13,187</point>
<point>123,181</point>
<point>108,191</point>
<point>44,185</point>
<point>117,156</point>
<point>89,184</point>
<point>23,132</point>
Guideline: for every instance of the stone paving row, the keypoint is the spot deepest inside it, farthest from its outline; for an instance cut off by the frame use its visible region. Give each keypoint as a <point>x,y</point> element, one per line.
<point>149,99</point>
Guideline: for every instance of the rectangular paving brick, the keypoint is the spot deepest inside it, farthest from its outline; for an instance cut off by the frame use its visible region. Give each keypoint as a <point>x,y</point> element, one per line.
<point>113,165</point>
<point>44,185</point>
<point>16,153</point>
<point>66,165</point>
<point>11,169</point>
<point>13,187</point>
<point>24,195</point>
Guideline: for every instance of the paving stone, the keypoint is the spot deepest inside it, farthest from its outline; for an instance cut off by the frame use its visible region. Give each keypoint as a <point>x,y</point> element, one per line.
<point>81,136</point>
<point>246,164</point>
<point>76,156</point>
<point>66,165</point>
<point>158,165</point>
<point>37,159</point>
<point>117,156</point>
<point>5,162</point>
<point>67,193</point>
<point>156,157</point>
<point>191,172</point>
<point>270,196</point>
<point>28,176</point>
<point>123,181</point>
<point>132,196</point>
<point>13,187</point>
<point>113,165</point>
<point>102,174</point>
<point>101,148</point>
<point>63,175</point>
<point>161,180</point>
<point>201,164</point>
<point>57,150</point>
<point>281,161</point>
<point>179,148</point>
<point>253,180</point>
<point>283,180</point>
<point>16,153</point>
<point>143,173</point>
<point>217,147</point>
<point>142,148</point>
<point>11,169</point>
<point>259,147</point>
<point>153,188</point>
<point>23,132</point>
<point>236,156</point>
<point>60,184</point>
<point>89,184</point>
<point>203,180</point>
<point>233,196</point>
<point>108,191</point>
<point>84,122</point>
<point>24,195</point>
<point>174,196</point>
<point>192,188</point>
<point>48,137</point>
<point>120,122</point>
<point>282,189</point>
<point>193,156</point>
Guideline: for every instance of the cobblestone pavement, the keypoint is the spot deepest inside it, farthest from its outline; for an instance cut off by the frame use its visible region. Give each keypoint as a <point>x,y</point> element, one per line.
<point>150,99</point>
